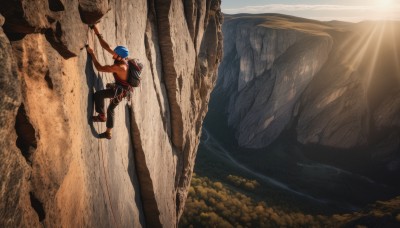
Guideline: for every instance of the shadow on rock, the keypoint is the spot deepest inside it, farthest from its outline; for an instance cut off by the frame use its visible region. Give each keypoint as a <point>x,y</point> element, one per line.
<point>94,83</point>
<point>131,166</point>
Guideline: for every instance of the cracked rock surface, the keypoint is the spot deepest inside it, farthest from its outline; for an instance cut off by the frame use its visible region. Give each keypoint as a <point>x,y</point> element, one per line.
<point>54,170</point>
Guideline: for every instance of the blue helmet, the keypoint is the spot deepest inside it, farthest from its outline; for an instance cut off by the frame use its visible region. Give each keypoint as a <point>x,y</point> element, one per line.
<point>122,51</point>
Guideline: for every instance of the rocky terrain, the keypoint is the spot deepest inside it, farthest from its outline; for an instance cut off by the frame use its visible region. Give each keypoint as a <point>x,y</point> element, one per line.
<point>55,172</point>
<point>335,84</point>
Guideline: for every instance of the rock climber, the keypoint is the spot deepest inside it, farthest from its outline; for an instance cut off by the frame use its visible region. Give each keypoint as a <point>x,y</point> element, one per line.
<point>116,91</point>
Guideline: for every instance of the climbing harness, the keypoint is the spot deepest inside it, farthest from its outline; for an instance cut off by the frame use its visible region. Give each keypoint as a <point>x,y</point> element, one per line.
<point>120,93</point>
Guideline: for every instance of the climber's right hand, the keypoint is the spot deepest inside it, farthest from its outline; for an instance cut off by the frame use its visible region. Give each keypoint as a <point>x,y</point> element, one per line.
<point>89,50</point>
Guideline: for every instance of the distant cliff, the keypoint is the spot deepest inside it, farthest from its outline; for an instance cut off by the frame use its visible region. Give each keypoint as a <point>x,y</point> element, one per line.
<point>333,84</point>
<point>54,170</point>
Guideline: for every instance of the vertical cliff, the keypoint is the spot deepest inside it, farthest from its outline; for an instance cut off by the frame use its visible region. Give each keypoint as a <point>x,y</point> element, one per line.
<point>268,63</point>
<point>54,169</point>
<point>333,84</point>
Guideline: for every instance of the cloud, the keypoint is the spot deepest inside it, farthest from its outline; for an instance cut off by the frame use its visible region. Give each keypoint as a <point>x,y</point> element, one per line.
<point>346,12</point>
<point>270,8</point>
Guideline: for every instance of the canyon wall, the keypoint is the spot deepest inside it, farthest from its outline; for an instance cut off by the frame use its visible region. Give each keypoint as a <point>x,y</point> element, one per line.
<point>270,70</point>
<point>333,84</point>
<point>55,171</point>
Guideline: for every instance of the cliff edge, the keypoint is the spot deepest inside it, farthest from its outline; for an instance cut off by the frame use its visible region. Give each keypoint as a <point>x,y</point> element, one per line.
<point>55,171</point>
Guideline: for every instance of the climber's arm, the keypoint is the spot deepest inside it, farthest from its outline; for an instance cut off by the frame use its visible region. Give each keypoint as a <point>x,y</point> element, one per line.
<point>103,43</point>
<point>107,68</point>
<point>99,67</point>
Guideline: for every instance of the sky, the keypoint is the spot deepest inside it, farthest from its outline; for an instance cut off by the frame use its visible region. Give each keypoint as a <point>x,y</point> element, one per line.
<point>324,10</point>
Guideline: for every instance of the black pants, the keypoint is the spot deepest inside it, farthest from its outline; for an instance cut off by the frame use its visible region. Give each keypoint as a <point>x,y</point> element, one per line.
<point>99,97</point>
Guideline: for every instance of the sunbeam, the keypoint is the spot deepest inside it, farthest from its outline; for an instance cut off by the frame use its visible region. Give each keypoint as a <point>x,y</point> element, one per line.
<point>364,51</point>
<point>394,40</point>
<point>355,48</point>
<point>372,60</point>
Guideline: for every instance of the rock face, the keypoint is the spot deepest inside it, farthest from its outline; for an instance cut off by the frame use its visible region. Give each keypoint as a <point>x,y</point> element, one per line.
<point>266,69</point>
<point>335,84</point>
<point>352,101</point>
<point>55,170</point>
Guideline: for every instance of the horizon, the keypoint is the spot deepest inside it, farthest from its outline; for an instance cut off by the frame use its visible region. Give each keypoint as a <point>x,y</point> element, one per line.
<point>323,10</point>
<point>313,19</point>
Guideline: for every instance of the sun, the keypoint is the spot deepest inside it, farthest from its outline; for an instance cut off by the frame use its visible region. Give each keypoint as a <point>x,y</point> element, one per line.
<point>384,3</point>
<point>385,9</point>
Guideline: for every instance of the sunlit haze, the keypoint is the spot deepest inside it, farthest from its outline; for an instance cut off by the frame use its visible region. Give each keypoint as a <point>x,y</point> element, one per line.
<point>324,10</point>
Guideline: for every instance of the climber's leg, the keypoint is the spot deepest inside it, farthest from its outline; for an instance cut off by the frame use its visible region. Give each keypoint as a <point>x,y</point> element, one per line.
<point>110,120</point>
<point>99,97</point>
<point>111,114</point>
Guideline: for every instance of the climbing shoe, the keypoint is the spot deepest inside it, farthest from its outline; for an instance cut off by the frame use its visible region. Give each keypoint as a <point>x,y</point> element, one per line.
<point>105,135</point>
<point>99,118</point>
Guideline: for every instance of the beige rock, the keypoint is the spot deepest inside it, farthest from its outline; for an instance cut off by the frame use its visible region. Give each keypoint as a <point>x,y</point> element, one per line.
<point>141,176</point>
<point>92,11</point>
<point>15,172</point>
